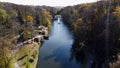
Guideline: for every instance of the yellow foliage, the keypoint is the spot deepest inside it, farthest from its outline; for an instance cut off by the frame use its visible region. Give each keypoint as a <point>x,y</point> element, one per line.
<point>77,23</point>
<point>117,12</point>
<point>29,18</point>
<point>79,20</point>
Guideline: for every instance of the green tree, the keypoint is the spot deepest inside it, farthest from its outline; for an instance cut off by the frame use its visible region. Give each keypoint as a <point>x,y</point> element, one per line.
<point>3,16</point>
<point>13,14</point>
<point>27,34</point>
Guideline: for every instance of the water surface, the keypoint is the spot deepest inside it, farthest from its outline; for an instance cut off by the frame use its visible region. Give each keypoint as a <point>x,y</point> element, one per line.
<point>56,52</point>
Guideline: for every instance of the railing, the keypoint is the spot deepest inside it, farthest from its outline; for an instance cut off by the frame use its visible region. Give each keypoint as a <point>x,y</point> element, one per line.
<point>39,37</point>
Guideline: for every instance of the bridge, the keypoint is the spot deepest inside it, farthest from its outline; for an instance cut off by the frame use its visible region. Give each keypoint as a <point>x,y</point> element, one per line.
<point>58,17</point>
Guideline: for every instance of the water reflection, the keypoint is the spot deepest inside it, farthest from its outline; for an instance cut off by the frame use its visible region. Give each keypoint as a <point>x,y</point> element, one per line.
<point>93,57</point>
<point>55,52</point>
<point>79,52</point>
<point>60,52</point>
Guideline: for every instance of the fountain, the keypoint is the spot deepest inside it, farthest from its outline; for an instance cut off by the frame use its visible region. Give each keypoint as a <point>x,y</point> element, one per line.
<point>58,19</point>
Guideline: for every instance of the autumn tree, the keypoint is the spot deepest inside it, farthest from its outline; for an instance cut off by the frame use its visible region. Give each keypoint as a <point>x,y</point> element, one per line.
<point>116,13</point>
<point>76,25</point>
<point>5,53</point>
<point>29,18</point>
<point>80,30</point>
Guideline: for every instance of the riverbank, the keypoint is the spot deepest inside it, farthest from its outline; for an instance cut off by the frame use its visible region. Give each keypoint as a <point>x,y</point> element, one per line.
<point>24,57</point>
<point>21,33</point>
<point>27,56</point>
<point>23,54</point>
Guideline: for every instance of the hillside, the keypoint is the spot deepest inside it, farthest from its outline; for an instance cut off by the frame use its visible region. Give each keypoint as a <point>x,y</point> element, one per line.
<point>95,26</point>
<point>19,23</point>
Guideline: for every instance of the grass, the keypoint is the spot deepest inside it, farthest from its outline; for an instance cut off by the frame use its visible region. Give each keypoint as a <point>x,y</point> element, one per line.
<point>31,50</point>
<point>27,55</point>
<point>34,55</point>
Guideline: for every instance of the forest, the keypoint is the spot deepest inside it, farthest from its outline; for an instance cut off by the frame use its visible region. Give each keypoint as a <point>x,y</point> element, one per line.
<point>20,20</point>
<point>97,27</point>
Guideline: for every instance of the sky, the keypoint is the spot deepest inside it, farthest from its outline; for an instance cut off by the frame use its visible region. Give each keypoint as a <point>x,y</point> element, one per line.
<point>49,2</point>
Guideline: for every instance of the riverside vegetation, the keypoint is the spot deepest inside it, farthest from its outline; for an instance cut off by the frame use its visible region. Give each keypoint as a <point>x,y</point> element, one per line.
<point>19,23</point>
<point>88,24</point>
<point>86,21</point>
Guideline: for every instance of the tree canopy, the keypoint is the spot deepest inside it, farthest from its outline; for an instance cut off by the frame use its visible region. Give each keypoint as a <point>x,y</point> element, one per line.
<point>3,16</point>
